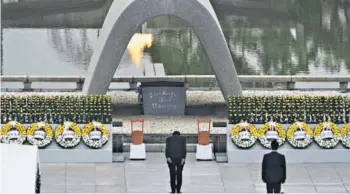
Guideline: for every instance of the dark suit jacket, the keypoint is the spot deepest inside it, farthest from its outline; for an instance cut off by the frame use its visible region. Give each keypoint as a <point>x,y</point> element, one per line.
<point>274,168</point>
<point>175,147</point>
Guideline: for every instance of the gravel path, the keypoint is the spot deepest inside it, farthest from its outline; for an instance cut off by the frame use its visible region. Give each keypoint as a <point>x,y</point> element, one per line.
<point>168,124</point>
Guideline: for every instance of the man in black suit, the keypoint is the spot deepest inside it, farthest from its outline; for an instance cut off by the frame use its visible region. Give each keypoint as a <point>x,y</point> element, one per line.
<point>175,154</point>
<point>274,169</point>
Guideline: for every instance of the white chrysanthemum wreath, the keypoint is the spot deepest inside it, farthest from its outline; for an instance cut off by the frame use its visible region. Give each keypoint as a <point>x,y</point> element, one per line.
<point>95,134</point>
<point>273,130</point>
<point>300,135</point>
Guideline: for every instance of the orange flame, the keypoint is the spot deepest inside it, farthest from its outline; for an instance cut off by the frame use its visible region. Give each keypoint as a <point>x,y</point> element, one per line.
<point>136,45</point>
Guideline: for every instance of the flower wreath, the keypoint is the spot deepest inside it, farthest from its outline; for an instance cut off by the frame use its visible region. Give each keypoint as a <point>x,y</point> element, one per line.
<point>40,134</point>
<point>272,129</point>
<point>345,135</point>
<point>244,135</point>
<point>13,132</point>
<point>327,134</point>
<point>95,134</point>
<point>299,135</point>
<point>68,135</point>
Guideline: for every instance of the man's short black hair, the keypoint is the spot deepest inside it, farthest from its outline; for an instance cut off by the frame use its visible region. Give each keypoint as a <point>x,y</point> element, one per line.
<point>176,133</point>
<point>274,144</point>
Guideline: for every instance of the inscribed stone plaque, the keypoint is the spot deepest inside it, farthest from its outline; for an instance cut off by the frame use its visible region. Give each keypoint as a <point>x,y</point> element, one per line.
<point>164,100</point>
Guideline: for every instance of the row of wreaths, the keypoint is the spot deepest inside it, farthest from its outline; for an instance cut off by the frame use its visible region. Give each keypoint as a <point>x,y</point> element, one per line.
<point>339,135</point>
<point>58,134</point>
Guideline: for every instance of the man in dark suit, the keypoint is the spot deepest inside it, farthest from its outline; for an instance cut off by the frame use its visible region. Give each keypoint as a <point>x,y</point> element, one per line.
<point>175,154</point>
<point>274,169</point>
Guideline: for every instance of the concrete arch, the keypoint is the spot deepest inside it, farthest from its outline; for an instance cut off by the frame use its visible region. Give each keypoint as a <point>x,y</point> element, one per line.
<point>126,16</point>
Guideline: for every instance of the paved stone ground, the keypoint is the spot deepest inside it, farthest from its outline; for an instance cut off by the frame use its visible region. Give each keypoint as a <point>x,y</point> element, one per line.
<point>151,176</point>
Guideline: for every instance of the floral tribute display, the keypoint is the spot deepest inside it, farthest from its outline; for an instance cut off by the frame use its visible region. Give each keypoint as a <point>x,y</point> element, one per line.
<point>345,135</point>
<point>95,134</point>
<point>244,135</point>
<point>288,109</point>
<point>300,135</point>
<point>327,134</point>
<point>320,108</point>
<point>13,132</point>
<point>56,108</point>
<point>272,131</point>
<point>297,113</point>
<point>40,134</point>
<point>41,112</point>
<point>68,135</point>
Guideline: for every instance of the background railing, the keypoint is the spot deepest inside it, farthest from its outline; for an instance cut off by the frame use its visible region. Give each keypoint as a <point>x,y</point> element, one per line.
<point>201,82</point>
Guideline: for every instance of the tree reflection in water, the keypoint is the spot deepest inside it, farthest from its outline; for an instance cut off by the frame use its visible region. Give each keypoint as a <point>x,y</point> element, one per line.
<point>281,37</point>
<point>316,39</point>
<point>73,45</point>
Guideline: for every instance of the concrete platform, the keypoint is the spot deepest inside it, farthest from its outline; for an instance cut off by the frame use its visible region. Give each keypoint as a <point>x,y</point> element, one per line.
<point>199,177</point>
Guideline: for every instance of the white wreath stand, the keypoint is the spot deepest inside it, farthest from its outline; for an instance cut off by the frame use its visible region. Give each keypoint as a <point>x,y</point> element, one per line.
<point>137,152</point>
<point>205,152</point>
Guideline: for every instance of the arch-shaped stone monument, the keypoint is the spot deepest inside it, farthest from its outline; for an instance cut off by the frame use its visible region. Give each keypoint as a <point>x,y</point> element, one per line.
<point>126,16</point>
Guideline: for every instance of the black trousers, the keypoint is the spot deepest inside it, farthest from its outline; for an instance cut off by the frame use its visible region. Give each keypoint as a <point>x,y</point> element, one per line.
<point>273,187</point>
<point>175,169</point>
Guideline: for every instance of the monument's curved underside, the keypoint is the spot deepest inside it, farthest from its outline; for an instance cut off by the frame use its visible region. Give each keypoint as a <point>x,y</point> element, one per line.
<point>126,16</point>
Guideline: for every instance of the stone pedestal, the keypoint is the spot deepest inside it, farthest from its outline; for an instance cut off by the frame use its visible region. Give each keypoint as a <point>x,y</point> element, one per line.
<point>205,152</point>
<point>137,152</point>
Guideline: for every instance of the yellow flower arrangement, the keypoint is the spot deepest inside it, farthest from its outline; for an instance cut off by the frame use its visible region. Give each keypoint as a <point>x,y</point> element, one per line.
<point>327,143</point>
<point>75,127</point>
<point>293,127</point>
<point>35,126</point>
<point>89,127</point>
<point>279,127</point>
<point>98,127</point>
<point>299,143</point>
<point>319,128</point>
<point>8,126</point>
<point>13,125</point>
<point>280,131</point>
<point>251,128</point>
<point>40,142</point>
<point>345,129</point>
<point>345,138</point>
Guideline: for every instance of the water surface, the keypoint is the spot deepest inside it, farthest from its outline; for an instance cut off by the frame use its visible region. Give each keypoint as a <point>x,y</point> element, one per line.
<point>266,37</point>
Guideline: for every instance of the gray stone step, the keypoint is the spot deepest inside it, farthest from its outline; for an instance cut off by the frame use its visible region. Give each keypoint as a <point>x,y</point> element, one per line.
<point>118,157</point>
<point>221,157</point>
<point>158,147</point>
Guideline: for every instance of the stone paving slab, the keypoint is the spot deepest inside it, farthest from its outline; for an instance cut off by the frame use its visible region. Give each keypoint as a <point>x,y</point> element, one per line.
<point>152,176</point>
